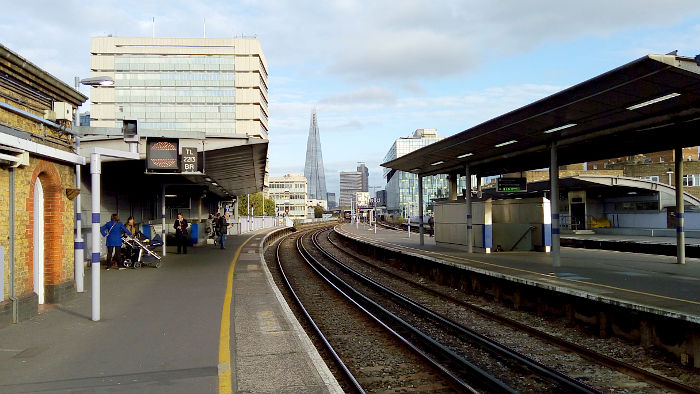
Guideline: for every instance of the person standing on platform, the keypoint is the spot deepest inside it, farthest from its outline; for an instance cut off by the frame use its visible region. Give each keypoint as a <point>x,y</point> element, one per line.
<point>181,233</point>
<point>113,231</point>
<point>431,224</point>
<point>223,229</point>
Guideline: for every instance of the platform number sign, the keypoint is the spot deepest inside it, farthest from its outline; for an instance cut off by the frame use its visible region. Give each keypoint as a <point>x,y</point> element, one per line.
<point>189,160</point>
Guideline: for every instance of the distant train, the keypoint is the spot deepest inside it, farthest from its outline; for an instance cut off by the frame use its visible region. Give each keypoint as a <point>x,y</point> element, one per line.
<point>347,214</point>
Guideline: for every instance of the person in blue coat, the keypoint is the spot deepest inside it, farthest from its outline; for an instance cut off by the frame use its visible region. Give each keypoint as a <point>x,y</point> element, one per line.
<point>113,231</point>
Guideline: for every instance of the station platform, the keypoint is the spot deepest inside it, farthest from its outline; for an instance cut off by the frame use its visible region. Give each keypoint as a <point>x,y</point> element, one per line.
<point>643,282</point>
<point>162,331</point>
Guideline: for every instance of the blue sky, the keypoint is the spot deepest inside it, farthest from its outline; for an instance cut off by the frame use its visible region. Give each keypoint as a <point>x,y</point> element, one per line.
<point>376,70</point>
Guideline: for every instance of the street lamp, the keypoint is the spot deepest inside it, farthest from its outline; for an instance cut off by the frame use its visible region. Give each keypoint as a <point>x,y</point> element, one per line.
<point>79,254</point>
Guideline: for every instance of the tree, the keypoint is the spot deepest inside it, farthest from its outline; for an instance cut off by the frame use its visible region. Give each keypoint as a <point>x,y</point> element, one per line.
<point>318,212</point>
<point>256,205</point>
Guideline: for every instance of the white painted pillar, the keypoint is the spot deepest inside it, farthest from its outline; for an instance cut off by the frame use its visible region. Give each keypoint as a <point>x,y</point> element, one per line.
<point>95,173</point>
<point>78,244</point>
<point>468,201</point>
<point>554,198</point>
<point>420,210</point>
<point>680,210</point>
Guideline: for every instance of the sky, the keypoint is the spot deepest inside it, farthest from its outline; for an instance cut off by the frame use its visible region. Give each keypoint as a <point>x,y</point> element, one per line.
<point>376,70</point>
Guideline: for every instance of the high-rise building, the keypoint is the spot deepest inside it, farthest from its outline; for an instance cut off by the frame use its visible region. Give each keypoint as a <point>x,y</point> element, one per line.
<point>402,187</point>
<point>364,179</point>
<point>313,170</point>
<point>350,183</point>
<point>331,200</point>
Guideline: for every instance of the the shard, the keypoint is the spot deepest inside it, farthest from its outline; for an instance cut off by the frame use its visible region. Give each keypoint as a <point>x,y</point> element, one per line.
<point>313,170</point>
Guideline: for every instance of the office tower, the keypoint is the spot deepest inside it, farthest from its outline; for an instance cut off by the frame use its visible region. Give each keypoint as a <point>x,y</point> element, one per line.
<point>364,178</point>
<point>350,183</point>
<point>331,200</point>
<point>313,170</point>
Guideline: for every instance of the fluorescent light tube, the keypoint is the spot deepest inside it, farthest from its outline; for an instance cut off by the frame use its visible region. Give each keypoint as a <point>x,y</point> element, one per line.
<point>437,163</point>
<point>654,101</point>
<point>464,155</point>
<point>505,143</point>
<point>566,126</point>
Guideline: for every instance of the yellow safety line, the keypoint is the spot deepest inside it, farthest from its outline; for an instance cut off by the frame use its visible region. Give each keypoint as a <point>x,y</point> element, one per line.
<point>225,333</point>
<point>537,273</point>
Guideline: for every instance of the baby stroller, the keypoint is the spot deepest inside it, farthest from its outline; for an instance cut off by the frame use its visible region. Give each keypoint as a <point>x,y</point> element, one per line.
<point>139,250</point>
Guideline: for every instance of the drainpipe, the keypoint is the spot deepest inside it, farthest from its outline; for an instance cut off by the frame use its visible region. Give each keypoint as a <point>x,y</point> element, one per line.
<point>13,297</point>
<point>78,245</point>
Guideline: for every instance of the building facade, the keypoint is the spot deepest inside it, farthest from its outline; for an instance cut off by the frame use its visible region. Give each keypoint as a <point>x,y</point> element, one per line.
<point>350,183</point>
<point>313,169</point>
<point>402,187</point>
<point>214,85</point>
<point>289,193</point>
<point>37,188</point>
<point>330,198</point>
<point>364,176</point>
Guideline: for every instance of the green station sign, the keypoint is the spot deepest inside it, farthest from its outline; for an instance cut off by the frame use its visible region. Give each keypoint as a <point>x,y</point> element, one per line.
<point>511,185</point>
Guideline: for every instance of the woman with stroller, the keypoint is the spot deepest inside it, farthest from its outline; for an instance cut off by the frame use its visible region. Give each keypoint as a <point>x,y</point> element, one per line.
<point>181,233</point>
<point>113,231</point>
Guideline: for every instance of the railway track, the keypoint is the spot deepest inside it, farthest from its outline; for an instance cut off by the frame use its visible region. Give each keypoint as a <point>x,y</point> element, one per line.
<point>593,356</point>
<point>495,367</point>
<point>368,354</point>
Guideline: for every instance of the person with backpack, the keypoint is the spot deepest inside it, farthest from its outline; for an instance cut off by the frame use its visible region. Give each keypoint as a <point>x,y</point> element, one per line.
<point>113,231</point>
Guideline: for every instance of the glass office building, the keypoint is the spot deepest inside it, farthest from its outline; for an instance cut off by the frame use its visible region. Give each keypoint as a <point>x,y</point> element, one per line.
<point>402,187</point>
<point>216,86</point>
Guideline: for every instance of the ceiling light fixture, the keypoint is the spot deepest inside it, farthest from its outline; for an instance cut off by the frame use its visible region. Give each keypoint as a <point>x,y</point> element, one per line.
<point>505,143</point>
<point>215,184</point>
<point>566,126</point>
<point>464,155</point>
<point>437,163</point>
<point>654,101</point>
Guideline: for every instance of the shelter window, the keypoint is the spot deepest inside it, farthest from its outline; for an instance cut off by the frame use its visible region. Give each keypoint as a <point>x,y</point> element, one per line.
<point>691,180</point>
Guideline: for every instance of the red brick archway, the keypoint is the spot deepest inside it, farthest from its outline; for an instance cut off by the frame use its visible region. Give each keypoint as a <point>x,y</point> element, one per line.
<point>54,231</point>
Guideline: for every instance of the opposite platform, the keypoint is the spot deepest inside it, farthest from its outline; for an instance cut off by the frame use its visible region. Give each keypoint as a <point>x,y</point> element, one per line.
<point>642,282</point>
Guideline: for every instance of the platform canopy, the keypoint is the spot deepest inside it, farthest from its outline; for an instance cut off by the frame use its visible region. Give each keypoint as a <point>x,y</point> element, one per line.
<point>648,105</point>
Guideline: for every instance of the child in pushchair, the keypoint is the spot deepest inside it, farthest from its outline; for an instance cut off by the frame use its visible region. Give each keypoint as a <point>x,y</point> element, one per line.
<point>138,250</point>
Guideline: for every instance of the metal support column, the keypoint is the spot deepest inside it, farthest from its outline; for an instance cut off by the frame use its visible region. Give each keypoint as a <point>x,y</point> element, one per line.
<point>95,173</point>
<point>468,201</point>
<point>680,220</point>
<point>554,201</point>
<point>162,217</point>
<point>420,209</point>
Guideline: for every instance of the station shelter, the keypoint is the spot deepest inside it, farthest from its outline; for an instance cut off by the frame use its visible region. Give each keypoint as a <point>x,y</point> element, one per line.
<point>649,104</point>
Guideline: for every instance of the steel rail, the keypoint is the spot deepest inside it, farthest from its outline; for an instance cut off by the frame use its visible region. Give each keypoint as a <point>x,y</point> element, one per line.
<point>472,370</point>
<point>591,355</point>
<point>560,379</point>
<point>346,372</point>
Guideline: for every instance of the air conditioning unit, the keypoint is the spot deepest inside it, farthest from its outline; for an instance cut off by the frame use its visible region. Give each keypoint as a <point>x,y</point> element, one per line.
<point>64,111</point>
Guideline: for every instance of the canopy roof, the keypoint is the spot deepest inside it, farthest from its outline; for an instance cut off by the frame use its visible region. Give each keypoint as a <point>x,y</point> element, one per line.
<point>648,105</point>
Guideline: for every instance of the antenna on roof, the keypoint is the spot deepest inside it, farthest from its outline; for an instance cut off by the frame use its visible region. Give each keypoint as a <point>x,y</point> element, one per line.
<point>153,27</point>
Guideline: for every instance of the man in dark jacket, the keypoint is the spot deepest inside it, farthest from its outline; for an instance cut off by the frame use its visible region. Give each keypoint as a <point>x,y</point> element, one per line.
<point>223,229</point>
<point>181,233</point>
<point>113,231</point>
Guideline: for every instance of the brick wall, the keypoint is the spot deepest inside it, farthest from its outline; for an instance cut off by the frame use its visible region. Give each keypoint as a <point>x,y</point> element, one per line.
<point>58,222</point>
